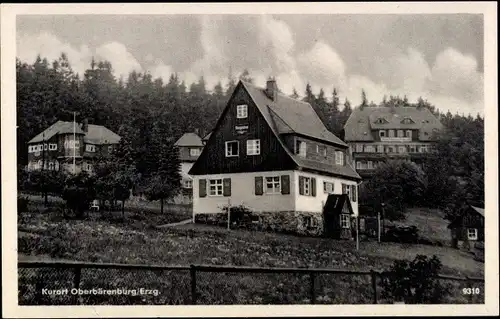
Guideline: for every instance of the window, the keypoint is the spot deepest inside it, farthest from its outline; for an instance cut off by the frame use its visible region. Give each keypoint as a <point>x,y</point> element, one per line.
<point>52,147</point>
<point>30,149</point>
<point>381,133</point>
<point>381,120</point>
<point>370,165</point>
<point>423,149</point>
<point>253,147</point>
<point>402,149</point>
<point>273,185</point>
<point>301,148</point>
<point>317,148</point>
<point>472,233</point>
<point>359,148</point>
<point>242,111</point>
<point>215,187</point>
<point>391,133</point>
<point>110,149</point>
<point>369,149</point>
<point>307,221</point>
<point>407,120</point>
<point>88,167</point>
<point>354,193</point>
<point>413,149</point>
<point>324,151</point>
<point>51,166</point>
<point>90,148</point>
<point>188,184</point>
<point>408,133</point>
<point>307,186</point>
<point>400,133</point>
<point>194,151</point>
<point>345,221</point>
<point>328,187</point>
<point>339,158</point>
<point>45,147</point>
<point>358,165</point>
<point>380,148</point>
<point>232,148</point>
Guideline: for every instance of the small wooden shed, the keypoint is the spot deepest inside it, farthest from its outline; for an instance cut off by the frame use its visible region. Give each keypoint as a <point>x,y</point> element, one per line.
<point>337,215</point>
<point>468,228</point>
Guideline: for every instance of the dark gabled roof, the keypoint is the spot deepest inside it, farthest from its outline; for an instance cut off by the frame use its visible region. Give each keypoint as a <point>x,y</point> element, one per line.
<point>58,127</point>
<point>291,115</point>
<point>98,134</point>
<point>359,125</point>
<point>457,221</point>
<point>189,139</point>
<point>335,203</point>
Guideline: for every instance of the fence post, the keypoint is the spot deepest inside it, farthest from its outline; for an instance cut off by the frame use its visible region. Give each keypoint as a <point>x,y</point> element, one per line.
<point>374,285</point>
<point>76,282</point>
<point>192,271</point>
<point>312,278</point>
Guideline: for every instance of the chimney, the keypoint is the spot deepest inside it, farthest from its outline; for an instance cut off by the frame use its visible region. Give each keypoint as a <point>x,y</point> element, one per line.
<point>85,125</point>
<point>272,89</point>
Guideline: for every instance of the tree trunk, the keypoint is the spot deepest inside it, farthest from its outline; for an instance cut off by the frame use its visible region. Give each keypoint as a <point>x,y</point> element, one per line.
<point>46,199</point>
<point>123,209</point>
<point>161,205</point>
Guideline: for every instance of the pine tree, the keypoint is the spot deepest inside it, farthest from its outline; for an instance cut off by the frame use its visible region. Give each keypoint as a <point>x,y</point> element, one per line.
<point>294,95</point>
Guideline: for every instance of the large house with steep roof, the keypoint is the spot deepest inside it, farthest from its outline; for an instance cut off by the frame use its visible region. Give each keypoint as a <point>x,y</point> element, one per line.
<point>66,143</point>
<point>375,134</point>
<point>273,155</point>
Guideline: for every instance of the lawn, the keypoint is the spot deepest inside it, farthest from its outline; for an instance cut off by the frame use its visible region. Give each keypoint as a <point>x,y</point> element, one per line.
<point>138,242</point>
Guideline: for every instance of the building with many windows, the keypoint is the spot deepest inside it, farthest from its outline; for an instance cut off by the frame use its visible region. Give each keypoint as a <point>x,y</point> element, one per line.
<point>66,143</point>
<point>273,155</point>
<point>375,134</point>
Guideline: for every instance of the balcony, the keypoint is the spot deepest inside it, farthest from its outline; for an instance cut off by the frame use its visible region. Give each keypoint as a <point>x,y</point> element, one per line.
<point>395,139</point>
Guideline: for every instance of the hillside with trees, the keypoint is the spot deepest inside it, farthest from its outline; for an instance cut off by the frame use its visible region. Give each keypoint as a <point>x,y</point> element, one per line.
<point>151,114</point>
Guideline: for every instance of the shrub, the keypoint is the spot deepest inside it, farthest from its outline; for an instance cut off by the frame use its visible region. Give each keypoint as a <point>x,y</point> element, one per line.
<point>401,234</point>
<point>415,282</point>
<point>22,204</point>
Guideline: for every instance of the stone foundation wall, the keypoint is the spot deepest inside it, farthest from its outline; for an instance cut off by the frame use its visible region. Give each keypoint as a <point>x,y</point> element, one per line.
<point>288,222</point>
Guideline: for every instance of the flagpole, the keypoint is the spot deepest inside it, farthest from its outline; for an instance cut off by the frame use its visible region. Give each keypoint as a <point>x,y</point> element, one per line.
<point>74,142</point>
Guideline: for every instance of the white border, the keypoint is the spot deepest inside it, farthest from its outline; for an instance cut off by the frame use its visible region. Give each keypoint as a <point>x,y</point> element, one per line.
<point>9,185</point>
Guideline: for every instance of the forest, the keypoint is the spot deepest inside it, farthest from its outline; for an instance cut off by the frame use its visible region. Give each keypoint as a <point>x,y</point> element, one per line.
<point>150,115</point>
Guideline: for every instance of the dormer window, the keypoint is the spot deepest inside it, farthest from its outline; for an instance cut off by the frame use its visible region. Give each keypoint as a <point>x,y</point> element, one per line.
<point>242,111</point>
<point>381,120</point>
<point>407,120</point>
<point>301,148</point>
<point>90,148</point>
<point>339,158</point>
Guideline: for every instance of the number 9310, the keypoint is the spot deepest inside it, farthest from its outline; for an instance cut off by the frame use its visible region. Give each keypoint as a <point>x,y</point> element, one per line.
<point>471,291</point>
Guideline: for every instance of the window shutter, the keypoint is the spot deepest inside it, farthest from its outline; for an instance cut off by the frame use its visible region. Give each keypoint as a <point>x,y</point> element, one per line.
<point>344,188</point>
<point>226,185</point>
<point>301,185</point>
<point>259,185</point>
<point>203,188</point>
<point>354,192</point>
<point>285,184</point>
<point>313,186</point>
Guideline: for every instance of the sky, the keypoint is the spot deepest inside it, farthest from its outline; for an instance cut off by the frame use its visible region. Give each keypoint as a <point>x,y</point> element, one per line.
<point>439,57</point>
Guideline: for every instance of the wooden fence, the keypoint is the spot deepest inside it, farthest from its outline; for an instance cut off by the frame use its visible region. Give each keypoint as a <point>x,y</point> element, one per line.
<point>194,272</point>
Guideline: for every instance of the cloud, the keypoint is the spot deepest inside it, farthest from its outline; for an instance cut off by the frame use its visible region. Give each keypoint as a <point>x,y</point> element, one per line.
<point>121,59</point>
<point>265,46</point>
<point>50,47</point>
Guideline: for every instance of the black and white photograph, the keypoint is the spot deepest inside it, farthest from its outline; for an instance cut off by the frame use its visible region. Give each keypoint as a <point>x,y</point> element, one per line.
<point>212,157</point>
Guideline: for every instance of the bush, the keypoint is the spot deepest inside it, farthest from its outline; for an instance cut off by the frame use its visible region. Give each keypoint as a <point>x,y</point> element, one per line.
<point>401,234</point>
<point>415,282</point>
<point>22,204</point>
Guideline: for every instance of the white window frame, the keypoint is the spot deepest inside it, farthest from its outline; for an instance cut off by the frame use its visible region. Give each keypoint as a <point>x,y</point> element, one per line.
<point>275,182</point>
<point>317,148</point>
<point>408,133</point>
<point>307,186</point>
<point>472,236</point>
<point>401,133</point>
<point>52,146</point>
<point>52,166</point>
<point>345,221</point>
<point>339,158</point>
<point>359,148</point>
<point>380,148</point>
<point>324,151</point>
<point>422,149</point>
<point>370,165</point>
<point>325,187</point>
<point>401,149</point>
<point>215,187</point>
<point>228,150</point>
<point>391,135</point>
<point>381,133</point>
<point>194,152</point>
<point>188,184</point>
<point>90,148</point>
<point>253,147</point>
<point>242,111</point>
<point>358,165</point>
